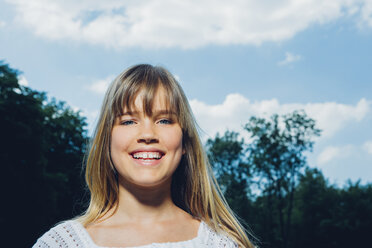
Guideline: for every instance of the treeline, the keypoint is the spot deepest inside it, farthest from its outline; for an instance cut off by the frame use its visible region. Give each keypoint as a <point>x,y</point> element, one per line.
<point>283,202</point>
<point>41,150</point>
<point>266,181</point>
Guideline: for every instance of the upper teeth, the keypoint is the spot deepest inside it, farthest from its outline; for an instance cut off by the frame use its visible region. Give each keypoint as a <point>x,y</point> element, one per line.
<point>147,155</point>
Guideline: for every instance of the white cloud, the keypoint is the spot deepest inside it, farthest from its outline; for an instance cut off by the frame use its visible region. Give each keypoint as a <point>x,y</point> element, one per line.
<point>100,86</point>
<point>331,153</point>
<point>2,24</point>
<point>366,14</point>
<point>92,118</point>
<point>332,117</point>
<point>236,110</point>
<point>177,77</point>
<point>22,80</point>
<point>367,146</point>
<point>17,90</point>
<point>185,24</point>
<point>75,108</point>
<point>289,58</point>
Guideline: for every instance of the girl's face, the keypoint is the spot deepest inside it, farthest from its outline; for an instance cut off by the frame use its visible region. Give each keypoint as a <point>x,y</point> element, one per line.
<point>146,150</point>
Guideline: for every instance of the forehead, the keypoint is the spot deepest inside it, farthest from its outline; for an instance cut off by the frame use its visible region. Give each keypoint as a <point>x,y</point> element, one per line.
<point>159,99</point>
<point>149,102</point>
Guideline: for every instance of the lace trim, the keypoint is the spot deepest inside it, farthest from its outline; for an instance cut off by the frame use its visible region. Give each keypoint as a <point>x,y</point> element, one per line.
<point>61,236</point>
<point>72,234</point>
<point>41,244</point>
<point>214,239</point>
<point>195,241</point>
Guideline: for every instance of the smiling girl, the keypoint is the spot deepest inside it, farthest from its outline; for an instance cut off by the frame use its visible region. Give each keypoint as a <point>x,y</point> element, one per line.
<point>150,181</point>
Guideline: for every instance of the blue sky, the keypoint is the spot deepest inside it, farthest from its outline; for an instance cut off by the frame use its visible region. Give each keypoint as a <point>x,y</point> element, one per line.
<point>234,59</point>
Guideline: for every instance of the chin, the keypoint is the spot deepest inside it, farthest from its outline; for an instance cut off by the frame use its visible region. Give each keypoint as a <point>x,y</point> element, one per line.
<point>149,182</point>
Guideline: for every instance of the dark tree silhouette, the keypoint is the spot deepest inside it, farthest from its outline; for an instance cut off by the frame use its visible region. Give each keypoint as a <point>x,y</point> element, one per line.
<point>276,155</point>
<point>41,149</point>
<point>327,216</point>
<point>226,154</point>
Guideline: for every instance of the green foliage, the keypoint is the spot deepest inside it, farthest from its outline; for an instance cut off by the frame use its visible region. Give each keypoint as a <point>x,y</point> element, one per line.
<point>276,157</point>
<point>326,216</point>
<point>277,147</point>
<point>315,205</point>
<point>41,149</point>
<point>226,155</point>
<point>295,206</point>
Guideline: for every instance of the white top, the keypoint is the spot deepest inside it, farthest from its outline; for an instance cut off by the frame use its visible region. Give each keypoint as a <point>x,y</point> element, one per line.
<point>71,233</point>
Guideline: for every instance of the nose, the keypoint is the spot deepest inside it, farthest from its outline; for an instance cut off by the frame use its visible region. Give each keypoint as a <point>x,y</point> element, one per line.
<point>148,133</point>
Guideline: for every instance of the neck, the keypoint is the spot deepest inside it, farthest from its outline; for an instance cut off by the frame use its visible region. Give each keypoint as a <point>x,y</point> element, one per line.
<point>145,204</point>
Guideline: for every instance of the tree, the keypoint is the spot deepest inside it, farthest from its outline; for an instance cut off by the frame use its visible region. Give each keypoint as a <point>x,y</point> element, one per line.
<point>330,217</point>
<point>41,150</point>
<point>353,220</point>
<point>276,155</point>
<point>226,154</point>
<point>316,201</point>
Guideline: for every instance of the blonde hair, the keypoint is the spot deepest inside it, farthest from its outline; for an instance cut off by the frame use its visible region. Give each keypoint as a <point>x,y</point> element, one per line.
<point>194,188</point>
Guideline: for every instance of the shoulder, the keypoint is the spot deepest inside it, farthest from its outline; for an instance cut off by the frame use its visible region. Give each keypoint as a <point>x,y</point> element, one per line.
<point>66,234</point>
<point>214,239</point>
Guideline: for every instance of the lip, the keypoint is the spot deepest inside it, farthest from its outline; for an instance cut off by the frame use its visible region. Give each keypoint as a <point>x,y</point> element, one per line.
<point>147,149</point>
<point>149,162</point>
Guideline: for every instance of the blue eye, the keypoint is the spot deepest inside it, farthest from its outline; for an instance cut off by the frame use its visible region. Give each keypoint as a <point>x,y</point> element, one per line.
<point>126,123</point>
<point>165,121</point>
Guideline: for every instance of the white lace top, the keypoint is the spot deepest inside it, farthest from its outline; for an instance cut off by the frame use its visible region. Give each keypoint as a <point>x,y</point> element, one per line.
<point>72,234</point>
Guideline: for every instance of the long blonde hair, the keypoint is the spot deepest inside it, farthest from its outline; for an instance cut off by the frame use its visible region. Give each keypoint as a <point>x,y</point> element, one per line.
<point>194,188</point>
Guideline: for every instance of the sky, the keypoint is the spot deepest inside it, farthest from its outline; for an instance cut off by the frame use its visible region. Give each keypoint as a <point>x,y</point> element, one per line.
<point>234,59</point>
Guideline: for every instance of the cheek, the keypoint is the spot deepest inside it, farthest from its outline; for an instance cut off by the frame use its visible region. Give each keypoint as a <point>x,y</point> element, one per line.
<point>174,140</point>
<point>119,142</point>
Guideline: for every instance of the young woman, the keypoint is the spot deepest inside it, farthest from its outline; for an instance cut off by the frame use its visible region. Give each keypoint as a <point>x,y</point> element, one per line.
<point>150,182</point>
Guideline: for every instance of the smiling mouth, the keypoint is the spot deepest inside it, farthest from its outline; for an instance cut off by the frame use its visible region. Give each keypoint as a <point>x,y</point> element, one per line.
<point>147,155</point>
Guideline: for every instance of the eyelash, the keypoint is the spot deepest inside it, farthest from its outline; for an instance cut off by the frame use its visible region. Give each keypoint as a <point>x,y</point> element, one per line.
<point>126,123</point>
<point>162,121</point>
<point>168,121</point>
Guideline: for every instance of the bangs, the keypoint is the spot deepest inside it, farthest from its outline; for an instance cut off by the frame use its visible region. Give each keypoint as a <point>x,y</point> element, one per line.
<point>148,82</point>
